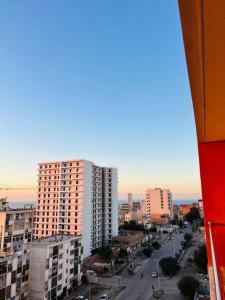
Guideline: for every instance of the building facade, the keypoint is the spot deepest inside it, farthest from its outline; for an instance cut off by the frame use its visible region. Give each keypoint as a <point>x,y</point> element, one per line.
<point>79,198</point>
<point>158,205</point>
<point>14,274</point>
<point>15,240</point>
<point>130,200</point>
<point>54,266</point>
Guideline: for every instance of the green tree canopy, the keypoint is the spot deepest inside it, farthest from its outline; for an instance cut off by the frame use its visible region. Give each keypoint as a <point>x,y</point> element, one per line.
<point>105,253</point>
<point>193,214</point>
<point>168,265</point>
<point>200,258</point>
<point>188,286</point>
<point>188,237</point>
<point>132,225</point>
<point>147,251</point>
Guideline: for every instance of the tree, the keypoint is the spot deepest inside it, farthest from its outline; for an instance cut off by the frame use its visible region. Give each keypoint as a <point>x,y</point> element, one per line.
<point>122,253</point>
<point>180,223</point>
<point>188,286</point>
<point>200,258</point>
<point>169,265</point>
<point>156,245</point>
<point>147,251</point>
<point>153,229</point>
<point>193,214</point>
<point>188,238</point>
<point>105,253</point>
<point>132,225</point>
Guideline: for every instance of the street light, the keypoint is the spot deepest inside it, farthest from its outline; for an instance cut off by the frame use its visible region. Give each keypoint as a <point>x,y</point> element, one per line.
<point>157,266</point>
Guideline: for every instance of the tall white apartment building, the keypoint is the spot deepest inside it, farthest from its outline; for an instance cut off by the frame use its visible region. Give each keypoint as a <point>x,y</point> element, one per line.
<point>54,267</point>
<point>79,198</point>
<point>158,204</point>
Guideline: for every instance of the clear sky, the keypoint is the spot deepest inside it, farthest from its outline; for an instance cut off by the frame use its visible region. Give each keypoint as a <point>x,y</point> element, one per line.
<point>100,80</point>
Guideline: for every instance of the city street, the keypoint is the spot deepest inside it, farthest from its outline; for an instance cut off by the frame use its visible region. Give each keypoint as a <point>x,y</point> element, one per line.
<point>141,288</point>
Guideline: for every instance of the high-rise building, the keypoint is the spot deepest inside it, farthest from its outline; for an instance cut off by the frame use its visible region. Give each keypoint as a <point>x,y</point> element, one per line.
<point>79,198</point>
<point>130,200</point>
<point>54,266</point>
<point>158,205</point>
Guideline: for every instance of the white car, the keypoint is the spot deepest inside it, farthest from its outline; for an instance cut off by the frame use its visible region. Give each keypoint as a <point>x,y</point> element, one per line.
<point>80,298</point>
<point>91,273</point>
<point>105,297</point>
<point>154,274</point>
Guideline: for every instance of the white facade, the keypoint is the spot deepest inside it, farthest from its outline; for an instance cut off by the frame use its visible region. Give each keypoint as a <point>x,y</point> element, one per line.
<point>79,198</point>
<point>54,266</point>
<point>158,202</point>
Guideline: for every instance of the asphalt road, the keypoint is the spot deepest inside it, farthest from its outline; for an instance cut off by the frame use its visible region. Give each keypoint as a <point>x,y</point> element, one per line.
<point>139,288</point>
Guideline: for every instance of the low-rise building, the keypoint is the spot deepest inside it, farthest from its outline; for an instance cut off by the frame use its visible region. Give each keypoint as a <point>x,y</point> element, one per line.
<point>54,266</point>
<point>128,239</point>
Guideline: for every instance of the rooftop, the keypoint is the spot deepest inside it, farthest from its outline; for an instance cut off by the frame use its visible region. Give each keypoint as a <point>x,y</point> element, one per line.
<point>54,239</point>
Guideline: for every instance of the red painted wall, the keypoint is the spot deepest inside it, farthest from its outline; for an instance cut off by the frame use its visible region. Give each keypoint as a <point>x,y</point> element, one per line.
<point>212,169</point>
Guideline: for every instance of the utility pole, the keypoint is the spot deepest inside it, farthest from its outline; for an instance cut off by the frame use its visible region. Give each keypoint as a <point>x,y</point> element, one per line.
<point>89,290</point>
<point>157,265</point>
<point>174,250</point>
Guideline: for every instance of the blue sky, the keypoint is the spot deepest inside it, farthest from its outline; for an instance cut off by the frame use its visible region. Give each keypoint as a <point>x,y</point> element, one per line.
<point>100,80</point>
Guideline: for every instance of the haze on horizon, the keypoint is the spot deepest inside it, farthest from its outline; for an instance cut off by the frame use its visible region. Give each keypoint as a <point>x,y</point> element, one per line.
<point>104,81</point>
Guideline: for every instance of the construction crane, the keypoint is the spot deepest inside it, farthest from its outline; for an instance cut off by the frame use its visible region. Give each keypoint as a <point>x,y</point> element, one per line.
<point>15,188</point>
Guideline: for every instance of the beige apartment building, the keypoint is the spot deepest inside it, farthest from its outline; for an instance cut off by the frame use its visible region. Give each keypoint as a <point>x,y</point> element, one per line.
<point>77,197</point>
<point>158,205</point>
<point>54,266</point>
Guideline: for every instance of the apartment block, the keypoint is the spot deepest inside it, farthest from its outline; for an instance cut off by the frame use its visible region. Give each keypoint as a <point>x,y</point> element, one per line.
<point>77,197</point>
<point>54,266</point>
<point>15,240</point>
<point>158,205</point>
<point>130,200</point>
<point>13,277</point>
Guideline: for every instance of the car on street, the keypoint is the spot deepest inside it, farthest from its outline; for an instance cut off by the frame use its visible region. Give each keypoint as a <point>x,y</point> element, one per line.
<point>105,297</point>
<point>154,274</point>
<point>80,298</point>
<point>91,273</point>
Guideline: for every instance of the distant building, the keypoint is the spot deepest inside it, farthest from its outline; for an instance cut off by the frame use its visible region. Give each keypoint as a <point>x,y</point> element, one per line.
<point>158,205</point>
<point>77,197</point>
<point>128,239</point>
<point>125,208</point>
<point>128,217</point>
<point>200,206</point>
<point>136,205</point>
<point>54,266</point>
<point>185,209</point>
<point>175,210</point>
<point>130,200</point>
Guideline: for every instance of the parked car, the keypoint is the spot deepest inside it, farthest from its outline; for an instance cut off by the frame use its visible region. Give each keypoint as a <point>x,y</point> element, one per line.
<point>80,298</point>
<point>154,274</point>
<point>91,273</point>
<point>105,297</point>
